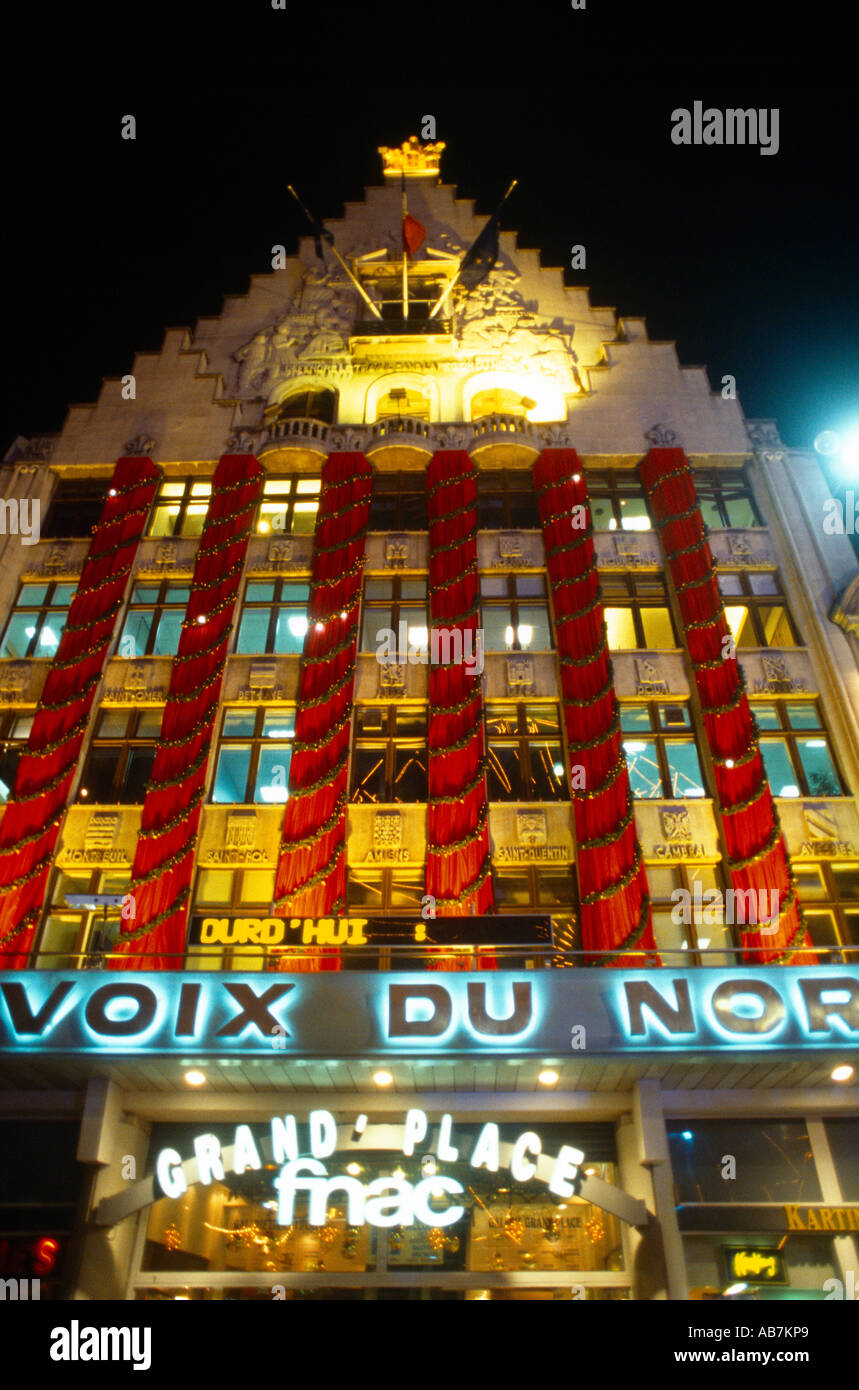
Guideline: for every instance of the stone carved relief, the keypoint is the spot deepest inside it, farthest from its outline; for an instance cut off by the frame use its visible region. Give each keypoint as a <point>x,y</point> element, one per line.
<point>823,831</point>
<point>317,323</point>
<point>676,826</point>
<point>520,674</point>
<point>764,433</point>
<point>496,319</point>
<point>396,552</point>
<point>139,447</point>
<point>59,560</point>
<point>101,831</point>
<point>531,828</point>
<point>649,680</point>
<point>387,830</point>
<point>392,678</point>
<point>628,549</point>
<point>241,830</point>
<point>776,678</point>
<point>662,436</point>
<point>739,545</point>
<point>13,680</point>
<point>509,546</point>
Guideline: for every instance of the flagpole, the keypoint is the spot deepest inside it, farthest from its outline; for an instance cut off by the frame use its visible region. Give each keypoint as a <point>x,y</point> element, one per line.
<point>336,254</point>
<point>443,297</point>
<point>405,255</point>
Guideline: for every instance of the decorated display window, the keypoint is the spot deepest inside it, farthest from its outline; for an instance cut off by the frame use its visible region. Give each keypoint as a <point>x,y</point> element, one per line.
<point>798,758</point>
<point>757,610</point>
<point>273,617</point>
<point>380,890</point>
<point>637,613</point>
<point>691,915</point>
<point>829,894</point>
<point>389,754</point>
<point>288,506</point>
<point>525,756</point>
<point>153,622</point>
<point>515,613</point>
<point>254,753</point>
<point>661,759</point>
<point>37,621</point>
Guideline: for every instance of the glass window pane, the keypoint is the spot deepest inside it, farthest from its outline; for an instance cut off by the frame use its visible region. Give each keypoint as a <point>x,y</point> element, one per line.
<point>201,489</point>
<point>533,630</point>
<point>253,630</point>
<point>377,620</point>
<point>192,522</point>
<point>290,630</point>
<point>684,769</point>
<point>763,583</point>
<point>776,626</point>
<point>171,490</point>
<point>490,513</point>
<point>658,631</point>
<point>675,717</point>
<point>501,719</point>
<point>410,774</point>
<point>277,487</point>
<point>411,721</point>
<point>368,774</point>
<point>741,626</point>
<point>414,589</point>
<point>843,1136</point>
<point>379,589</point>
<point>548,779</point>
<point>279,723</point>
<point>801,716</point>
<point>493,585</point>
<point>779,768</point>
<point>257,886</point>
<point>767,716</point>
<point>304,518</point>
<point>50,634</point>
<point>822,930</point>
<point>809,882</point>
<point>621,629</point>
<point>308,485</point>
<point>272,784</point>
<point>730,584</point>
<point>818,767</point>
<point>239,723</point>
<point>215,886</point>
<point>231,775</point>
<point>741,513</point>
<point>554,887</point>
<point>496,624</point>
<point>365,888</point>
<point>846,880</point>
<point>163,521</point>
<point>512,888</point>
<point>168,634</point>
<point>530,585</point>
<point>503,777</point>
<point>633,515</point>
<point>644,775</point>
<point>710,513</point>
<point>259,592</point>
<point>542,719</point>
<point>149,724</point>
<point>602,514</point>
<point>63,595</point>
<point>634,717</point>
<point>19,635</point>
<point>407,887</point>
<point>60,941</point>
<point>138,770</point>
<point>774,1160</point>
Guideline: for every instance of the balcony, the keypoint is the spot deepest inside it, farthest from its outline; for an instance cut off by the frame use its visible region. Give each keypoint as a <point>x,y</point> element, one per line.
<point>502,440</point>
<point>294,442</point>
<point>400,442</point>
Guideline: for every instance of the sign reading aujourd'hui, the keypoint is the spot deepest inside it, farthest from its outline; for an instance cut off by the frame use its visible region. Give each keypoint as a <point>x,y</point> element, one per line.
<point>275,932</point>
<point>351,1013</point>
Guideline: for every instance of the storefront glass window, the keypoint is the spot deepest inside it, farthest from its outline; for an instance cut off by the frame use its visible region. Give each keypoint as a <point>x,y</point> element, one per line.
<point>843,1136</point>
<point>774,1162</point>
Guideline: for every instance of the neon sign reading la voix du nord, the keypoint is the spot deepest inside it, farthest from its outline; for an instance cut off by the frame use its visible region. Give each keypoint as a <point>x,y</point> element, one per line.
<point>386,1201</point>
<point>355,1014</point>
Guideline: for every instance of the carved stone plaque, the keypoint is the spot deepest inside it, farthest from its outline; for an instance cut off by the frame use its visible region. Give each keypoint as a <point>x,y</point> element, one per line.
<point>509,546</point>
<point>649,680</point>
<point>396,552</point>
<point>101,830</point>
<point>387,830</point>
<point>676,827</point>
<point>531,828</point>
<point>392,677</point>
<point>520,674</point>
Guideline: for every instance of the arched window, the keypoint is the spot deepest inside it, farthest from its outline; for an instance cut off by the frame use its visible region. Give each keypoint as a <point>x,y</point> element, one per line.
<point>402,401</point>
<point>500,401</point>
<point>309,405</point>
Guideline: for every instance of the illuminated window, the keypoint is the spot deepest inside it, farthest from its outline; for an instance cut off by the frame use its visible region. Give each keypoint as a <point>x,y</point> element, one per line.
<point>506,500</point>
<point>500,402</point>
<point>121,756</point>
<point>617,502</point>
<point>288,506</point>
<point>799,762</point>
<point>254,754</point>
<point>386,890</point>
<point>691,929</point>
<point>400,401</point>
<point>761,617</point>
<point>399,502</point>
<point>388,603</point>
<point>153,623</point>
<point>389,754</point>
<point>180,508</point>
<point>306,405</point>
<point>661,764</point>
<point>79,937</point>
<point>38,619</point>
<point>273,617</point>
<point>637,615</point>
<point>515,614</point>
<point>530,886</point>
<point>14,732</point>
<point>525,755</point>
<point>234,888</point>
<point>829,897</point>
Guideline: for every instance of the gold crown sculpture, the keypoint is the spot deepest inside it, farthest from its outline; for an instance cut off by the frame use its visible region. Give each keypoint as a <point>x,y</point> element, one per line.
<point>412,158</point>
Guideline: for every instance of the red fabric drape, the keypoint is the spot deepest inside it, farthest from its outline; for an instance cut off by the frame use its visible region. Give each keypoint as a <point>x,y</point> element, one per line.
<point>163,863</point>
<point>311,873</point>
<point>458,862</point>
<point>615,902</point>
<point>31,822</point>
<point>757,856</point>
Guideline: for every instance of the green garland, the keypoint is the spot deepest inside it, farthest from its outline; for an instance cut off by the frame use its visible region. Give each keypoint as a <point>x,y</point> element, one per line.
<point>603,841</point>
<point>453,846</point>
<point>157,831</point>
<point>459,745</point>
<point>318,877</point>
<point>634,937</point>
<point>467,892</point>
<point>290,846</point>
<point>177,904</point>
<point>618,885</point>
<point>328,779</point>
<point>736,864</point>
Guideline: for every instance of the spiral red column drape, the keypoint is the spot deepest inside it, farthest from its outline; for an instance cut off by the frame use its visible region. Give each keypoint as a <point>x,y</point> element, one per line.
<point>757,856</point>
<point>31,823</point>
<point>615,902</point>
<point>311,873</point>
<point>164,861</point>
<point>458,862</point>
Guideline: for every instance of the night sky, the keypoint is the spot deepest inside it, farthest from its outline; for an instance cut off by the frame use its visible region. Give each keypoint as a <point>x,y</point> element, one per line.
<point>746,260</point>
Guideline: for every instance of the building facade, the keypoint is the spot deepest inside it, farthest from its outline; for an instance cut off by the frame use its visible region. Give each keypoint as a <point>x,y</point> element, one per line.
<point>430,726</point>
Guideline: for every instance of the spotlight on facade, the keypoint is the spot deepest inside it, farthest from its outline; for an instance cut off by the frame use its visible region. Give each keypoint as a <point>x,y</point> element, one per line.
<point>843,1073</point>
<point>195,1078</point>
<point>383,1078</point>
<point>548,1077</point>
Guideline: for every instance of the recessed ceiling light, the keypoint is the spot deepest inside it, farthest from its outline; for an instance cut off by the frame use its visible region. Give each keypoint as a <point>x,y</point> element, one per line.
<point>548,1077</point>
<point>383,1078</point>
<point>353,1169</point>
<point>195,1078</point>
<point>842,1073</point>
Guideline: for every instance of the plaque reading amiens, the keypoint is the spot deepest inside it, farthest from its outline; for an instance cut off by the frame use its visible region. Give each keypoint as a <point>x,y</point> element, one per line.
<point>370,931</point>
